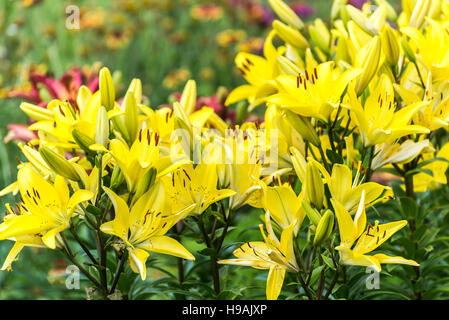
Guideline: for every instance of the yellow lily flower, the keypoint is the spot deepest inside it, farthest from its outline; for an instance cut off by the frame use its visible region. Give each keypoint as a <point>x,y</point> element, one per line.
<point>143,227</point>
<point>271,254</point>
<point>284,206</point>
<point>367,239</point>
<point>65,118</point>
<point>348,192</point>
<point>246,185</point>
<point>187,186</point>
<point>314,93</point>
<point>378,121</point>
<point>423,181</point>
<point>143,155</point>
<point>46,211</point>
<point>436,114</point>
<point>286,135</point>
<point>259,72</point>
<point>432,47</point>
<point>388,153</point>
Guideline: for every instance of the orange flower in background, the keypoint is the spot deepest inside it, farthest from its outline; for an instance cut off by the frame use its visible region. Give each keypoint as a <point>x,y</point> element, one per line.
<point>207,12</point>
<point>230,37</point>
<point>175,78</point>
<point>253,44</point>
<point>92,19</point>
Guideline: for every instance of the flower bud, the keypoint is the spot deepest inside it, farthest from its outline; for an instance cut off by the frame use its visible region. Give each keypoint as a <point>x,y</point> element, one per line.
<point>337,6</point>
<point>303,126</point>
<point>82,140</point>
<point>391,13</point>
<point>320,35</point>
<point>286,14</point>
<point>145,183</point>
<point>59,164</point>
<point>324,228</point>
<point>368,59</point>
<point>102,128</point>
<point>288,66</point>
<point>136,88</point>
<point>312,213</point>
<point>419,13</point>
<point>188,98</point>
<point>314,185</point>
<point>116,177</point>
<point>359,18</point>
<point>131,113</point>
<point>37,113</point>
<point>408,51</point>
<point>390,45</point>
<point>107,90</point>
<point>241,112</point>
<point>299,163</point>
<point>290,35</point>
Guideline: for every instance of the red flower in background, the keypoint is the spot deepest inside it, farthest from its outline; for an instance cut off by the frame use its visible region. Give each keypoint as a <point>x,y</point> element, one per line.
<point>65,88</point>
<point>44,88</point>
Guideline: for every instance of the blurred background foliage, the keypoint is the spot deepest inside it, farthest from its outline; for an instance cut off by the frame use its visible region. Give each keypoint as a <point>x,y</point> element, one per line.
<point>164,43</point>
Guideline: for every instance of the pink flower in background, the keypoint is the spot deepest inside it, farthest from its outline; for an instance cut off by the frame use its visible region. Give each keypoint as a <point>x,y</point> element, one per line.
<point>215,102</point>
<point>45,88</point>
<point>357,3</point>
<point>65,88</point>
<point>302,9</point>
<point>19,132</point>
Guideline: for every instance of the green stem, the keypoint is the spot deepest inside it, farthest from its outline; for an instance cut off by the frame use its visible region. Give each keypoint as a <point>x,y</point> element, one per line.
<point>83,246</point>
<point>213,258</point>
<point>68,253</point>
<point>323,157</point>
<point>118,272</point>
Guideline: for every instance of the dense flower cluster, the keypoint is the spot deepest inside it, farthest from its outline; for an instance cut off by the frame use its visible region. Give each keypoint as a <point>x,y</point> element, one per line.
<point>344,105</point>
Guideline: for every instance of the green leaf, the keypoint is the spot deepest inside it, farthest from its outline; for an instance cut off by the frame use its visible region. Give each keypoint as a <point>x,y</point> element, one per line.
<point>207,252</point>
<point>94,210</point>
<point>328,261</point>
<point>419,170</point>
<point>409,207</point>
<point>334,157</point>
<point>426,162</point>
<point>315,274</point>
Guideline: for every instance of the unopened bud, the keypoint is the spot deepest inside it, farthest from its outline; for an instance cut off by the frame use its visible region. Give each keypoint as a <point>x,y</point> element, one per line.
<point>314,185</point>
<point>145,183</point>
<point>299,163</point>
<point>419,13</point>
<point>408,51</point>
<point>107,90</point>
<point>188,98</point>
<point>82,140</point>
<point>241,112</point>
<point>35,112</point>
<point>286,14</point>
<point>116,177</point>
<point>359,18</point>
<point>312,213</point>
<point>336,8</point>
<point>368,59</point>
<point>136,88</point>
<point>390,45</point>
<point>303,126</point>
<point>131,114</point>
<point>290,35</point>
<point>102,128</point>
<point>288,66</point>
<point>320,35</point>
<point>324,228</point>
<point>59,164</point>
